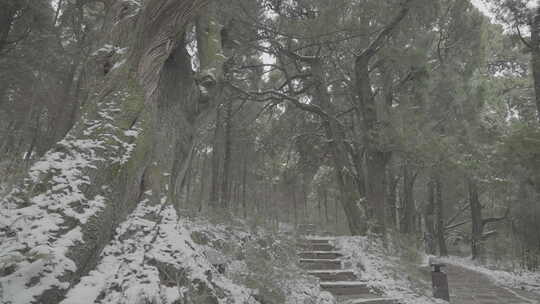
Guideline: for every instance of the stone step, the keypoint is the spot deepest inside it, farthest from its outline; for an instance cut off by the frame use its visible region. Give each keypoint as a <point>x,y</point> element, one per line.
<point>316,247</point>
<point>317,240</point>
<point>306,228</point>
<point>320,264</point>
<point>373,301</point>
<point>346,287</point>
<point>334,275</point>
<point>320,255</point>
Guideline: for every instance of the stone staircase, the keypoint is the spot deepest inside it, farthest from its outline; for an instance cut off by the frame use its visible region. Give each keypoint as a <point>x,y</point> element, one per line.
<point>321,259</point>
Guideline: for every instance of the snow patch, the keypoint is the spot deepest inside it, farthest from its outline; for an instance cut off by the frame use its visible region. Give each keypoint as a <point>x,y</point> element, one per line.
<point>131,270</point>
<point>41,219</point>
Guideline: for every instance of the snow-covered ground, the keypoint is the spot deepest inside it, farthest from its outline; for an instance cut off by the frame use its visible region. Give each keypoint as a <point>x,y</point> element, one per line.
<point>260,260</point>
<point>154,261</point>
<point>54,198</point>
<point>166,260</point>
<point>525,280</point>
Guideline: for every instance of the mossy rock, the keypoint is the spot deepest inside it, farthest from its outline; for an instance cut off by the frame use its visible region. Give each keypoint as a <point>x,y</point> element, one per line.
<point>202,294</point>
<point>200,238</point>
<point>262,299</point>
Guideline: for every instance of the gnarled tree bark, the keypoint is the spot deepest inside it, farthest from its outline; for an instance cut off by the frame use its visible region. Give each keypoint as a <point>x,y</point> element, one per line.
<point>135,134</point>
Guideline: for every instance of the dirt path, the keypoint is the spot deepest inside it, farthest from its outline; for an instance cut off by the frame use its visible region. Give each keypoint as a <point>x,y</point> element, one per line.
<point>470,287</point>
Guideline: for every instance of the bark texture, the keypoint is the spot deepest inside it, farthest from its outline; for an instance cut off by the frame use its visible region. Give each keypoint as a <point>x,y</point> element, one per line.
<point>376,156</point>
<point>346,180</point>
<point>439,216</point>
<point>407,223</point>
<point>135,134</point>
<point>535,50</point>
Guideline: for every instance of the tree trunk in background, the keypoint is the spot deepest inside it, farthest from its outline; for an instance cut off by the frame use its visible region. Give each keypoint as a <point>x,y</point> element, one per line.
<point>227,158</point>
<point>303,188</point>
<point>203,180</point>
<point>376,160</point>
<point>429,218</point>
<point>391,200</point>
<point>295,204</point>
<point>188,182</point>
<point>319,209</point>
<point>476,217</point>
<point>407,223</point>
<point>439,216</point>
<point>326,206</point>
<point>336,210</point>
<point>535,55</point>
<point>376,184</point>
<point>375,122</point>
<point>213,200</point>
<point>8,9</point>
<point>348,194</point>
<point>244,185</point>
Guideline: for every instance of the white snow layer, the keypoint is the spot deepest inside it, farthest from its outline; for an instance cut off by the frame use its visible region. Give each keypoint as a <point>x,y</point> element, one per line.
<point>129,270</point>
<point>42,219</point>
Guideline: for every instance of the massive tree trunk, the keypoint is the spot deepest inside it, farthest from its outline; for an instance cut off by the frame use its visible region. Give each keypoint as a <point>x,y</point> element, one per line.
<point>135,134</point>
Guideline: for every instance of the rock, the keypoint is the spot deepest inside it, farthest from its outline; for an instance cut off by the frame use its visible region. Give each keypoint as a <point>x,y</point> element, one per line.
<point>217,259</point>
<point>200,238</point>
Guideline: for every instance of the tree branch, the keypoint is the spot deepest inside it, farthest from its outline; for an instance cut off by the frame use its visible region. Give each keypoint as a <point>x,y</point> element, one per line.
<point>460,211</point>
<point>376,44</point>
<point>275,95</point>
<point>527,44</point>
<point>487,234</point>
<point>456,225</point>
<point>496,219</point>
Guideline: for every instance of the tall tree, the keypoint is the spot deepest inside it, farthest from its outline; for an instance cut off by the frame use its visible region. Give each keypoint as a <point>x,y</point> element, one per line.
<point>136,134</point>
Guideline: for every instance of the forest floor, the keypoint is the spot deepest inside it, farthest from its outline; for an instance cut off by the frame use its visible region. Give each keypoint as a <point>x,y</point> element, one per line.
<point>471,287</point>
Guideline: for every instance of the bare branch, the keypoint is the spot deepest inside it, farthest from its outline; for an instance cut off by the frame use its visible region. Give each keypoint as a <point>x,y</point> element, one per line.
<point>463,208</point>
<point>456,225</point>
<point>527,44</point>
<point>276,96</point>
<point>376,44</point>
<point>487,234</point>
<point>496,219</point>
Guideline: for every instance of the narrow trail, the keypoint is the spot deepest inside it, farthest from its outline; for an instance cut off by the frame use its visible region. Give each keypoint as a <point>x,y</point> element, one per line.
<point>321,259</point>
<point>471,287</point>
